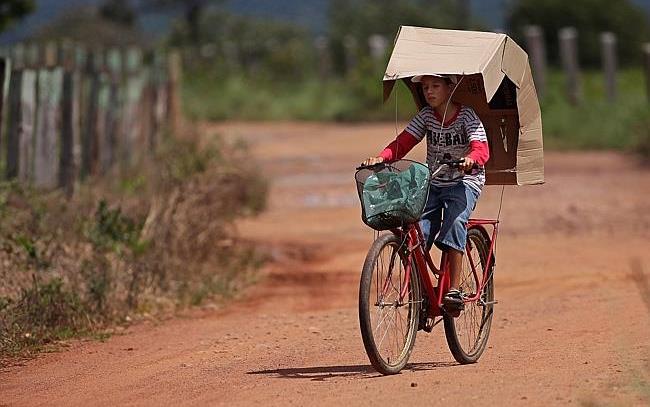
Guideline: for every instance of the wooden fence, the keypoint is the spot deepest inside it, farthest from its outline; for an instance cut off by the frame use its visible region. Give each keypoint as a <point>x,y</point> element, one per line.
<point>568,45</point>
<point>70,113</point>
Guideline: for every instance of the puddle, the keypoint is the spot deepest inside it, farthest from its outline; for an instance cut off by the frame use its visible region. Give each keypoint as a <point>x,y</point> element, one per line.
<point>343,200</point>
<point>329,178</point>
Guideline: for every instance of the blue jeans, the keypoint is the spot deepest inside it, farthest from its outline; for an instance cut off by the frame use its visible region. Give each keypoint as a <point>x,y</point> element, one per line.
<point>456,203</point>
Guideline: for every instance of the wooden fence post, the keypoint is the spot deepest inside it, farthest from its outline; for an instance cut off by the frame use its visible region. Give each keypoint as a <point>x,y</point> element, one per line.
<point>66,55</point>
<point>50,55</point>
<point>33,56</point>
<point>608,45</point>
<point>104,153</point>
<point>160,98</point>
<point>568,37</point>
<point>378,45</point>
<point>48,118</point>
<point>149,131</point>
<point>537,52</point>
<point>324,61</point>
<point>134,86</point>
<point>3,91</point>
<point>80,57</point>
<point>89,140</point>
<point>70,117</point>
<point>174,70</point>
<point>351,48</point>
<point>20,137</point>
<point>114,112</point>
<point>646,63</point>
<point>18,56</point>
<point>69,131</point>
<point>13,128</point>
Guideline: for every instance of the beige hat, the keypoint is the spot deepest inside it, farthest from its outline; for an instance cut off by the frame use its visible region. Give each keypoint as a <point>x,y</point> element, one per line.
<point>452,78</point>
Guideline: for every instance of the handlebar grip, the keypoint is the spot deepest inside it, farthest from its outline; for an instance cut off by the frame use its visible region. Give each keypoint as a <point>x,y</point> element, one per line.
<point>361,167</point>
<point>456,163</point>
<point>451,162</point>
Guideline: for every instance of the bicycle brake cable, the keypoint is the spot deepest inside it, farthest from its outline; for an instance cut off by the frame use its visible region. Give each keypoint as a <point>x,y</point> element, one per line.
<point>500,202</point>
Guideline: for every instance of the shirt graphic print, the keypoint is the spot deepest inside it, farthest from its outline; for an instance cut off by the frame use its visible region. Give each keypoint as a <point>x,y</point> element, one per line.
<point>453,138</point>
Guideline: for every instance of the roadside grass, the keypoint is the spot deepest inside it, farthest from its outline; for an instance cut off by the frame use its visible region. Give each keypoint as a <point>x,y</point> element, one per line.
<point>154,240</point>
<point>594,124</point>
<point>208,95</point>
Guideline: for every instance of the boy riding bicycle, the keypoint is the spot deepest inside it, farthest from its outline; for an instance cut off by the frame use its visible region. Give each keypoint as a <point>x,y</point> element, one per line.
<point>455,131</point>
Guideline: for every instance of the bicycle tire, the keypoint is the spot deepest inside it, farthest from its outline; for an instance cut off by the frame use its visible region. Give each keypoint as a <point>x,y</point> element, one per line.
<point>467,335</point>
<point>372,310</point>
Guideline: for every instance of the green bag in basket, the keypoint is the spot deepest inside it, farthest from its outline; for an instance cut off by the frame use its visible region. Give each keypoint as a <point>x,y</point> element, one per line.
<point>394,198</point>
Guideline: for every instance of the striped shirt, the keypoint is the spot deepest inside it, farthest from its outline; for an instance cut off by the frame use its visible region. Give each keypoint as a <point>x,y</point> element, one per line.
<point>454,139</point>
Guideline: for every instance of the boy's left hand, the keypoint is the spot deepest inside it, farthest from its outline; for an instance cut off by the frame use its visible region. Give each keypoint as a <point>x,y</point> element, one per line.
<point>467,164</point>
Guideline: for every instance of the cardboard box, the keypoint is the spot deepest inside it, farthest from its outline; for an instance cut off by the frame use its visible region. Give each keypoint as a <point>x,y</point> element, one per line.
<point>497,83</point>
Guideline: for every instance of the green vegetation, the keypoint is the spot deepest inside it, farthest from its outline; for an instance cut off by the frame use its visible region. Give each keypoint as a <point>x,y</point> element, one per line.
<point>244,74</point>
<point>590,17</point>
<point>14,10</point>
<point>44,312</point>
<point>89,28</point>
<point>595,123</point>
<point>354,97</point>
<point>155,241</point>
<point>354,21</point>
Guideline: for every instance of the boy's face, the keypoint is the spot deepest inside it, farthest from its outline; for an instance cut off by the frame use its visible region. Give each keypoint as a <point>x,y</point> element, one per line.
<point>436,90</point>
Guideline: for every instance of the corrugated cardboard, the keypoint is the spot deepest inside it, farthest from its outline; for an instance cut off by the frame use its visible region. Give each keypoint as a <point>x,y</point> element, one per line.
<point>497,83</point>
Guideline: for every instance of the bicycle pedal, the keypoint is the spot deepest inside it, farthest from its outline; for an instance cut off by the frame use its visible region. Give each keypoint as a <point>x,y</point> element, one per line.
<point>428,326</point>
<point>453,311</point>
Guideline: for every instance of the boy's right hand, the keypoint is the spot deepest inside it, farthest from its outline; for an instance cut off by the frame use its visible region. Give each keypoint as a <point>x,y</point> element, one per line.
<point>372,161</point>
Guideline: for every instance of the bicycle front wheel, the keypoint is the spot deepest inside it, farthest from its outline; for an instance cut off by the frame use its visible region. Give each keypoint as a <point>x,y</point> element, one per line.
<point>388,319</point>
<point>467,334</point>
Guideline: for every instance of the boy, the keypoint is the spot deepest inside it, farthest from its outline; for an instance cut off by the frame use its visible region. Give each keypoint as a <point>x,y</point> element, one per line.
<point>462,136</point>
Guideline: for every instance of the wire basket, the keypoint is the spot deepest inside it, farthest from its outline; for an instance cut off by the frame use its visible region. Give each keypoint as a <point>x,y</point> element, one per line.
<point>392,194</point>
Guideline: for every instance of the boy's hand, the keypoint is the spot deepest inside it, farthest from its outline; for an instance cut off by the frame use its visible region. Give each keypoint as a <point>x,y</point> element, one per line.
<point>467,164</point>
<point>372,161</point>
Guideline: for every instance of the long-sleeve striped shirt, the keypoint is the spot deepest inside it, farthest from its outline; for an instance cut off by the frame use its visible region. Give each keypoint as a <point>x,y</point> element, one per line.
<point>462,135</point>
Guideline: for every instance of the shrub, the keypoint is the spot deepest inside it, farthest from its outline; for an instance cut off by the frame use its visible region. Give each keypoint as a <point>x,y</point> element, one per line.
<point>44,312</point>
<point>72,267</point>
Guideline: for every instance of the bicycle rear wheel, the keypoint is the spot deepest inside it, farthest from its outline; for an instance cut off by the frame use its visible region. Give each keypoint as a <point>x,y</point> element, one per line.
<point>388,323</point>
<point>467,334</point>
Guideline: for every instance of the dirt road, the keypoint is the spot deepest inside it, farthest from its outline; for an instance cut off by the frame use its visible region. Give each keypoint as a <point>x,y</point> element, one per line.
<point>572,325</point>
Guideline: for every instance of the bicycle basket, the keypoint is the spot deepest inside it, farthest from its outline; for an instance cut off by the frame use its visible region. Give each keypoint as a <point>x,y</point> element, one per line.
<point>392,194</point>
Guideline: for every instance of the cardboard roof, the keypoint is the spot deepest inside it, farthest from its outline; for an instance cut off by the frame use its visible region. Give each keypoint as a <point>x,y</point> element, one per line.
<point>497,83</point>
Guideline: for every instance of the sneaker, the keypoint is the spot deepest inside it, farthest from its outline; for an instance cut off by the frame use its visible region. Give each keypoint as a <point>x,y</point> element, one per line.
<point>453,299</point>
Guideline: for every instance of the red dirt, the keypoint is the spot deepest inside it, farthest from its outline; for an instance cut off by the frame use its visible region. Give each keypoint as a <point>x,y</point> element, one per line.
<point>571,327</point>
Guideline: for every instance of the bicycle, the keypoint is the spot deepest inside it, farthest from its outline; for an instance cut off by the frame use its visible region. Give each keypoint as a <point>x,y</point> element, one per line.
<point>397,295</point>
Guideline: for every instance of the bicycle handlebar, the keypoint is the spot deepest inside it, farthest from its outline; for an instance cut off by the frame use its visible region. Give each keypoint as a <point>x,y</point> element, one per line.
<point>457,163</point>
<point>361,167</point>
<point>451,163</point>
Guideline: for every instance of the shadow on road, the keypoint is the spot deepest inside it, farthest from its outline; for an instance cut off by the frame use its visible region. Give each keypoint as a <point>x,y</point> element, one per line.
<point>323,373</point>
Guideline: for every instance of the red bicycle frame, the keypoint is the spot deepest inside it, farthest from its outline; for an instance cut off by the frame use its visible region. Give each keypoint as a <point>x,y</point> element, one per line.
<point>417,253</point>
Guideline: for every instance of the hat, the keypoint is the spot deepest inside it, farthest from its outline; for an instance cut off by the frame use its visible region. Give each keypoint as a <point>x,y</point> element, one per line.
<point>418,78</point>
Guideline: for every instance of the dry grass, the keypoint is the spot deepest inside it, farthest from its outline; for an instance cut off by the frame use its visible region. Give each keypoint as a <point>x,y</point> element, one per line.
<point>156,240</point>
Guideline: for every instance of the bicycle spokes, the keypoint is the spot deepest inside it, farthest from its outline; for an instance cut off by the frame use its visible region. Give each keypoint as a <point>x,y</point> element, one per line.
<point>389,312</point>
<point>467,332</point>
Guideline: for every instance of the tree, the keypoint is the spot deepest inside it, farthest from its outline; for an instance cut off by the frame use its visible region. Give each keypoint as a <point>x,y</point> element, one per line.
<point>193,11</point>
<point>12,10</point>
<point>118,11</point>
<point>359,19</point>
<point>86,26</point>
<point>232,44</point>
<point>590,17</point>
